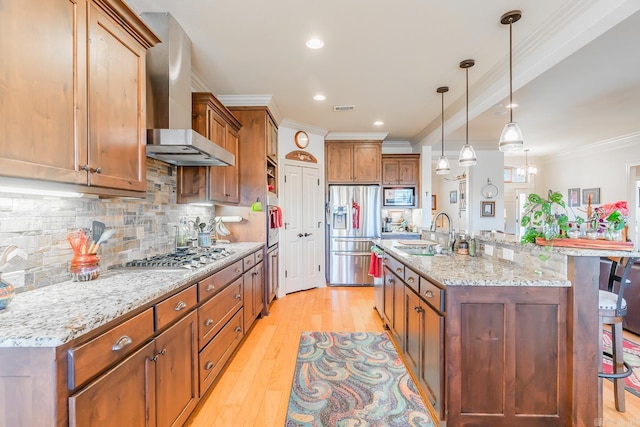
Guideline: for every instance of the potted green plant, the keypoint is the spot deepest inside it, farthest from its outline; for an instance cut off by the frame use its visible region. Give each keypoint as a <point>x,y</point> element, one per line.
<point>542,217</point>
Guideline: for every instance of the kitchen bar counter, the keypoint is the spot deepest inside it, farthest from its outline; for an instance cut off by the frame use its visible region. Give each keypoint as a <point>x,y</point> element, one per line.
<point>546,306</point>
<point>56,314</point>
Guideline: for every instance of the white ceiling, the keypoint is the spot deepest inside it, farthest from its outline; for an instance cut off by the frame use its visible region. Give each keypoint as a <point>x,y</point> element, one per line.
<point>576,64</point>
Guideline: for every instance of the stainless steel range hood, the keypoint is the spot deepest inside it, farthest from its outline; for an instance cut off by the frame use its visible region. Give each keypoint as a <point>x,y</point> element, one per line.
<point>170,137</point>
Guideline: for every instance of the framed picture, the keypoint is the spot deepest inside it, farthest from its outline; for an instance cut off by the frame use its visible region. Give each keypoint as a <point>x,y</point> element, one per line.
<point>574,197</point>
<point>487,208</point>
<point>508,174</point>
<point>463,193</point>
<point>591,195</point>
<point>453,196</point>
<point>433,202</point>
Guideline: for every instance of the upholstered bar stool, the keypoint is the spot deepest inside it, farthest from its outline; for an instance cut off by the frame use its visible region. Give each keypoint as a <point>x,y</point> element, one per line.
<point>612,309</point>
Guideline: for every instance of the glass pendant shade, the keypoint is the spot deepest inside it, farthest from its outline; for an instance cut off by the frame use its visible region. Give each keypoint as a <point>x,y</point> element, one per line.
<point>467,156</point>
<point>443,166</point>
<point>521,171</point>
<point>511,138</point>
<point>532,170</point>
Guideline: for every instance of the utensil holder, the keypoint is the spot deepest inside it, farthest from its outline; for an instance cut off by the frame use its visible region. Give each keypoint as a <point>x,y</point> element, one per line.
<point>204,240</point>
<point>84,267</point>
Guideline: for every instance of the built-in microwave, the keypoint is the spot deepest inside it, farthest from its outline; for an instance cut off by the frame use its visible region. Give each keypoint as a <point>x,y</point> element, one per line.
<point>399,196</point>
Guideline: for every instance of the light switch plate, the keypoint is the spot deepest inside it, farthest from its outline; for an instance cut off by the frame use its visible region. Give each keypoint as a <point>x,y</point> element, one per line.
<point>488,249</point>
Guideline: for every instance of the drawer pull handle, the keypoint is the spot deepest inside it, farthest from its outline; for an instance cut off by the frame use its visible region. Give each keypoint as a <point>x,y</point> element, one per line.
<point>238,270</point>
<point>428,294</point>
<point>210,287</point>
<point>418,309</point>
<point>208,322</point>
<point>162,352</point>
<point>123,342</point>
<point>238,329</point>
<point>398,270</point>
<point>208,365</point>
<point>410,280</point>
<point>238,296</point>
<point>179,306</point>
<point>392,280</point>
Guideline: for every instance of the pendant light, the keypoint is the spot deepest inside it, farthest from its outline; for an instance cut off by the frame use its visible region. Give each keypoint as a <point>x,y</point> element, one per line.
<point>511,137</point>
<point>527,169</point>
<point>443,164</point>
<point>467,153</point>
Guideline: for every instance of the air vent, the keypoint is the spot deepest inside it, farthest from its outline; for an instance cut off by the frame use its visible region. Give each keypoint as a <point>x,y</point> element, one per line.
<point>343,107</point>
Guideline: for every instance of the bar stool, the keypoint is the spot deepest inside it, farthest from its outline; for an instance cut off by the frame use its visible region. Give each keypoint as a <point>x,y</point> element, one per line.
<point>612,309</point>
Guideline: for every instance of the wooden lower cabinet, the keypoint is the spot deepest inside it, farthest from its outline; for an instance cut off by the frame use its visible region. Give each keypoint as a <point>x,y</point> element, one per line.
<point>254,294</point>
<point>125,395</point>
<point>156,386</point>
<point>485,355</point>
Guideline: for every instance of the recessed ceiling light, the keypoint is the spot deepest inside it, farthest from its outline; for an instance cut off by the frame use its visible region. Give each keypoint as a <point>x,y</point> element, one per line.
<point>319,97</point>
<point>378,123</point>
<point>315,44</point>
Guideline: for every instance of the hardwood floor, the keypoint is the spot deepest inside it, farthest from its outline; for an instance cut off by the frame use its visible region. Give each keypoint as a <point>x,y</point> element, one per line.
<point>254,389</point>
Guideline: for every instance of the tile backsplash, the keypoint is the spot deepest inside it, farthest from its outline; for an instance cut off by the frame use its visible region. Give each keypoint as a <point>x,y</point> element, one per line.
<point>39,225</point>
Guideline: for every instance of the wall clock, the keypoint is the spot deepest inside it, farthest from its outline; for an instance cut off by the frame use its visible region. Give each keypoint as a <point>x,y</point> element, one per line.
<point>302,139</point>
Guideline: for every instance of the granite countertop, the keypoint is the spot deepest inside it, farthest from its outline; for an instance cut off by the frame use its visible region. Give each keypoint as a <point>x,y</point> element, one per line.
<point>511,239</point>
<point>56,314</point>
<point>464,270</point>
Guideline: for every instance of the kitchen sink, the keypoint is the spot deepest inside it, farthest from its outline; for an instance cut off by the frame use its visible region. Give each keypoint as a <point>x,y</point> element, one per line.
<point>427,249</point>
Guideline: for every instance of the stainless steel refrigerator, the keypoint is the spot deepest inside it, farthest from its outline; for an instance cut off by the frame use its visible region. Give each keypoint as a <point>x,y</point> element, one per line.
<point>353,221</point>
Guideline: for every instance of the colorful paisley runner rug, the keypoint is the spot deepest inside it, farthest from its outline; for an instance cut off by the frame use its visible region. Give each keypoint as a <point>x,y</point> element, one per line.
<point>353,379</point>
<point>631,352</point>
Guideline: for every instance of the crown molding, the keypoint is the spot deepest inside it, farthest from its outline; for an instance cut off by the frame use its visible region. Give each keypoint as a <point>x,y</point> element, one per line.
<point>628,141</point>
<point>356,136</point>
<point>198,83</point>
<point>253,101</point>
<point>292,124</point>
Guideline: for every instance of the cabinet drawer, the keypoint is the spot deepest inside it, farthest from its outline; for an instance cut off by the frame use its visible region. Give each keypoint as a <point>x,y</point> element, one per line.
<point>174,307</point>
<point>92,357</point>
<point>394,265</point>
<point>259,256</point>
<point>412,279</point>
<point>216,282</point>
<point>432,294</point>
<point>218,310</point>
<point>219,350</point>
<point>249,261</point>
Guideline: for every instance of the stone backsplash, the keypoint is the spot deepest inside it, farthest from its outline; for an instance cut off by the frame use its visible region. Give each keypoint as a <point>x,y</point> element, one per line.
<point>39,226</point>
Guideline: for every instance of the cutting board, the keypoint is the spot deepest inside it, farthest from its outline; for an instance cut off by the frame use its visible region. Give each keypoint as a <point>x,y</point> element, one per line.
<point>586,244</point>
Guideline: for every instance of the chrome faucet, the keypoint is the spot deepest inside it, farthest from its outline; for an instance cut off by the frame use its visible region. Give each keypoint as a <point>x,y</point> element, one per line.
<point>451,241</point>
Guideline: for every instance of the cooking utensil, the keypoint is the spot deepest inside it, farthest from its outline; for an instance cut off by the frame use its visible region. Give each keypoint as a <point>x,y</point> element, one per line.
<point>78,241</point>
<point>97,228</point>
<point>105,235</point>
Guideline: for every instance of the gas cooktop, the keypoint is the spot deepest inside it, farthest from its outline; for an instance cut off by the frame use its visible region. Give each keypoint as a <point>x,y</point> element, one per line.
<point>191,258</point>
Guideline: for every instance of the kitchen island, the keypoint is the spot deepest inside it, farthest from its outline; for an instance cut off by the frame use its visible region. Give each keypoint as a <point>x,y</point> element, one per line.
<point>496,342</point>
<point>147,342</point>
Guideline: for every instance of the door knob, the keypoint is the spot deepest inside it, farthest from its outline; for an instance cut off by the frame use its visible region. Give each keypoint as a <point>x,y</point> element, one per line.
<point>307,234</point>
<point>300,234</point>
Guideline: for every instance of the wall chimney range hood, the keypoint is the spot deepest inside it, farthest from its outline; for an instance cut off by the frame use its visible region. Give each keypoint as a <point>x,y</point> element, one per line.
<point>170,137</point>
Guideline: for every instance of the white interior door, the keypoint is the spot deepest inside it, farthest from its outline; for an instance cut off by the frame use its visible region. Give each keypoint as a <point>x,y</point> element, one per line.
<point>302,208</point>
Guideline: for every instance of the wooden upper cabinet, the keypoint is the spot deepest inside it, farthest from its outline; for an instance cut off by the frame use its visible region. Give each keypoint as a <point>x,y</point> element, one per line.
<point>401,169</point>
<point>216,183</point>
<point>55,131</point>
<point>353,162</point>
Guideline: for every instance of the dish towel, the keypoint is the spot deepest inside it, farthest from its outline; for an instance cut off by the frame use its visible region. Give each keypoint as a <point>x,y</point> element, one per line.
<point>375,265</point>
<point>355,215</point>
<point>275,217</point>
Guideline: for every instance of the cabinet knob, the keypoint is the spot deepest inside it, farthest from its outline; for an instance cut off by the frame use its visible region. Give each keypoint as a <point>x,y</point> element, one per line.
<point>399,269</point>
<point>410,280</point>
<point>208,365</point>
<point>418,309</point>
<point>123,342</point>
<point>238,329</point>
<point>210,287</point>
<point>162,352</point>
<point>208,322</point>
<point>238,296</point>
<point>97,170</point>
<point>392,280</point>
<point>238,270</point>
<point>85,168</point>
<point>179,306</point>
<point>428,294</point>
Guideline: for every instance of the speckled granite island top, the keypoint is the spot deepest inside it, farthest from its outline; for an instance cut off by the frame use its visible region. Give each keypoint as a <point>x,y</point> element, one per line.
<point>57,314</point>
<point>463,270</point>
